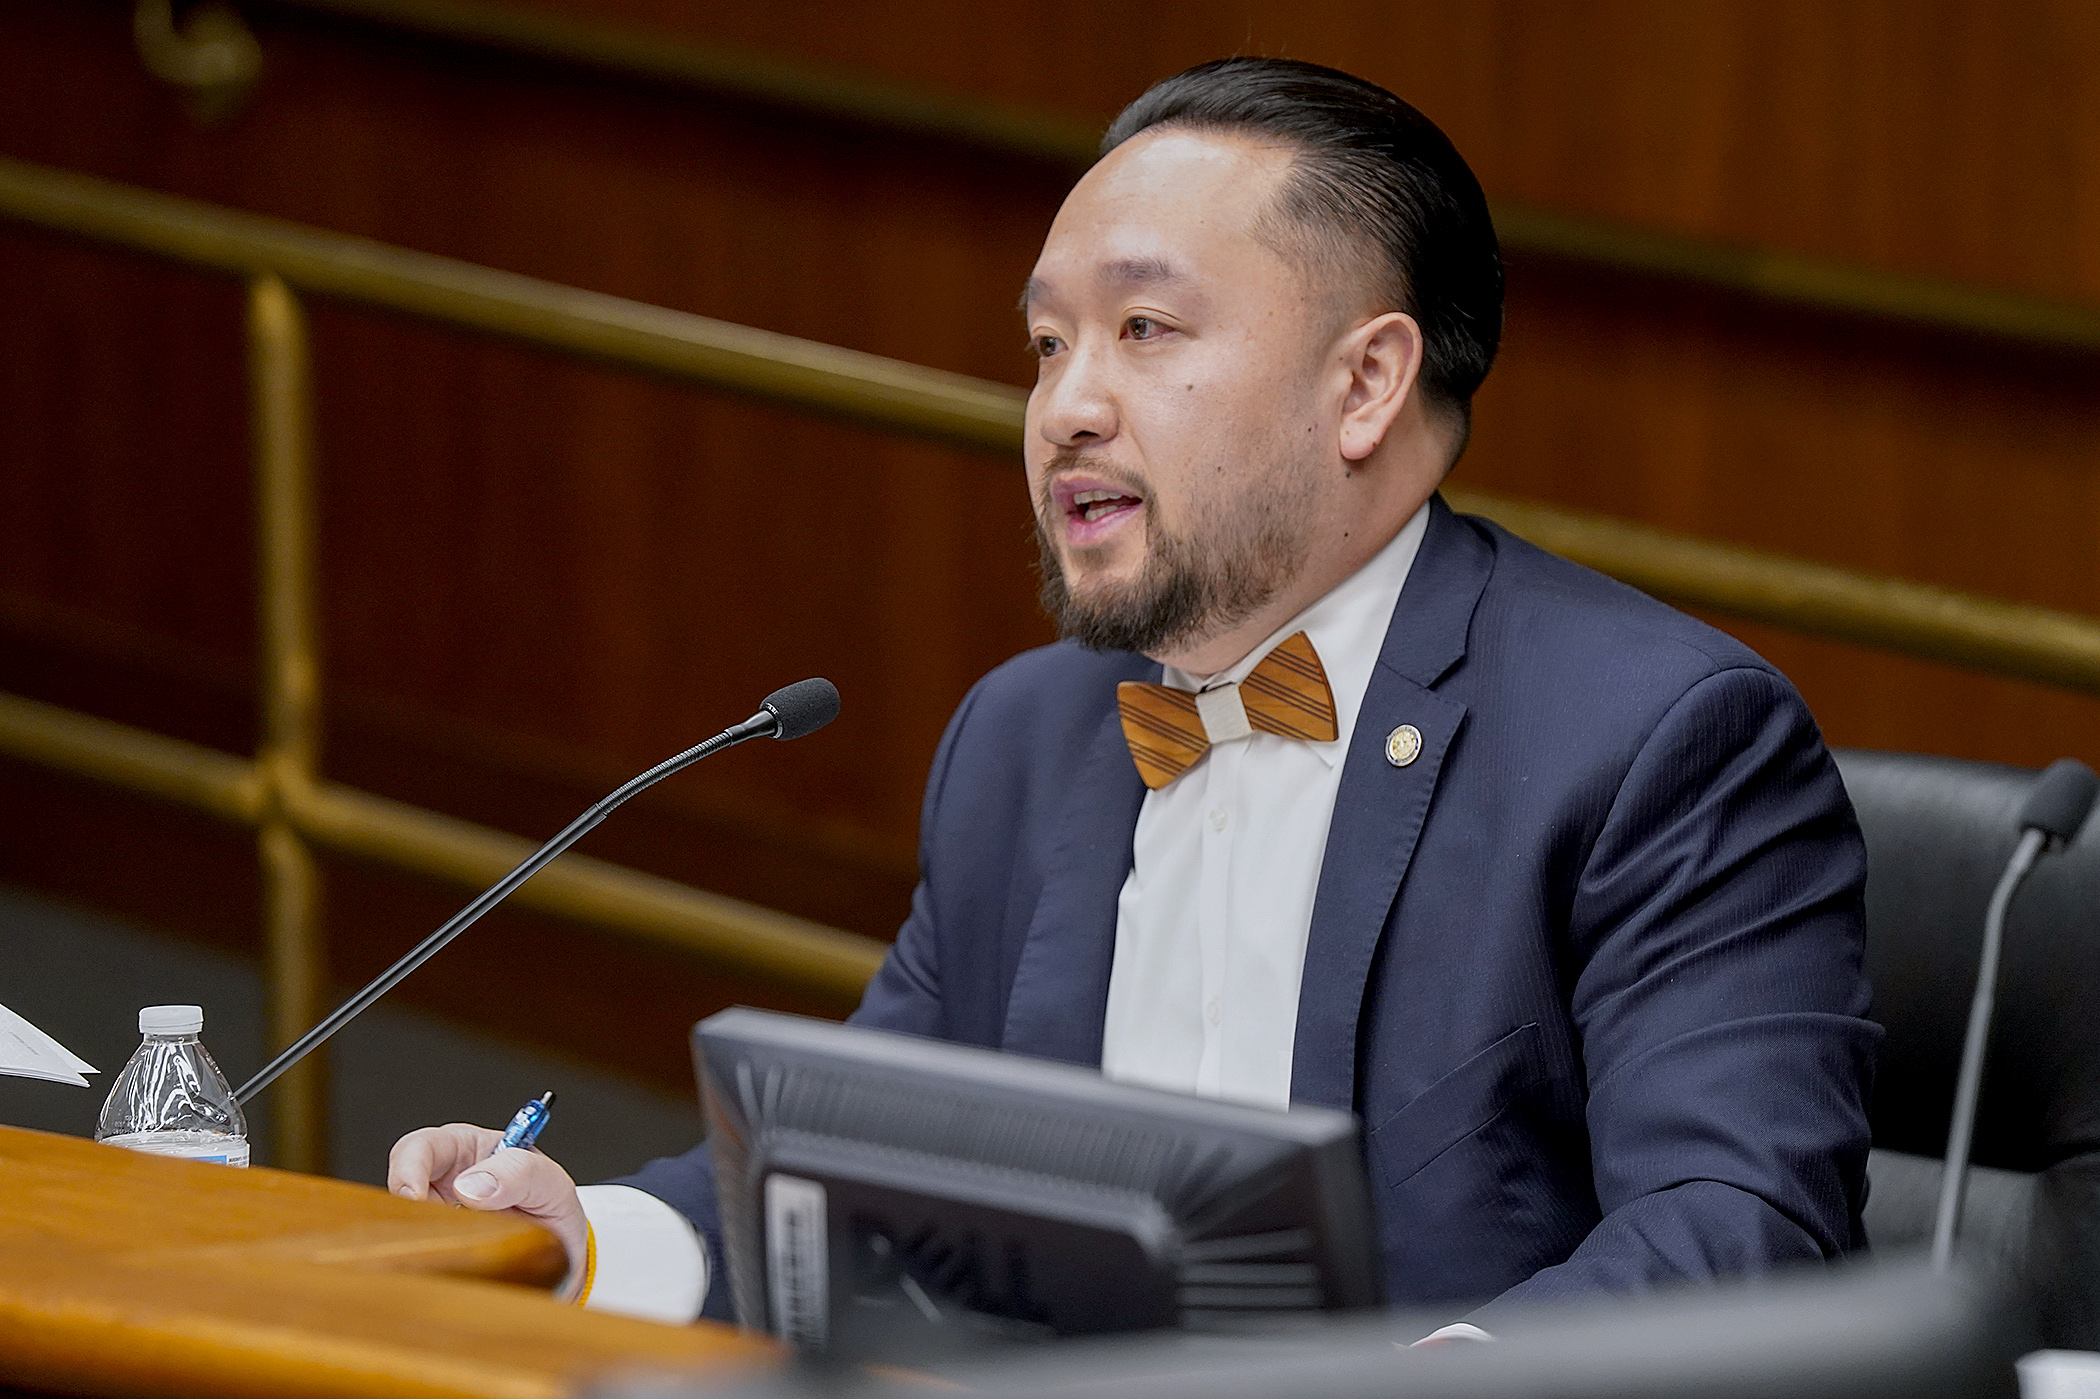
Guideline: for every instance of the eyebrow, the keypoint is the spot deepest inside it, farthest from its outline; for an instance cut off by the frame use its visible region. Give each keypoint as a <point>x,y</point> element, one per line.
<point>1138,271</point>
<point>1123,272</point>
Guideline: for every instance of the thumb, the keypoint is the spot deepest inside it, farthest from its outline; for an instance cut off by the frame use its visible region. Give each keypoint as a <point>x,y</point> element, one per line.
<point>504,1180</point>
<point>533,1185</point>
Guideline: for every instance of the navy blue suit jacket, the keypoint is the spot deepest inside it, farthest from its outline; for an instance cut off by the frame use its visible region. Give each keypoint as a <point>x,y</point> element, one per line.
<point>1588,969</point>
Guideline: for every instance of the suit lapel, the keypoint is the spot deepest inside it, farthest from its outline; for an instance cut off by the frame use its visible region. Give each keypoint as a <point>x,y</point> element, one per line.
<point>1380,807</point>
<point>1059,1001</point>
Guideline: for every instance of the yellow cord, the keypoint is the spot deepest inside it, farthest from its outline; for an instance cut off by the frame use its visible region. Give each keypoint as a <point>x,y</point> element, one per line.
<point>590,1264</point>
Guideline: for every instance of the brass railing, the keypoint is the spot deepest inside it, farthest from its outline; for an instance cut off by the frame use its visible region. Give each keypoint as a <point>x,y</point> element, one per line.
<point>1810,283</point>
<point>282,794</point>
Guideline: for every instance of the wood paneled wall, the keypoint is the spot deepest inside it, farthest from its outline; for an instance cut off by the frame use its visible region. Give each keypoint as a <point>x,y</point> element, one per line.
<point>540,576</point>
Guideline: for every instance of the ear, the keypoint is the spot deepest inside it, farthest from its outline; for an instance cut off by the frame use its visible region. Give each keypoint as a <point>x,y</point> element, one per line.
<point>1383,358</point>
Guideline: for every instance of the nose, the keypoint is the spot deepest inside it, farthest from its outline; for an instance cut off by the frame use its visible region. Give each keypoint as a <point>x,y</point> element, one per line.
<point>1076,405</point>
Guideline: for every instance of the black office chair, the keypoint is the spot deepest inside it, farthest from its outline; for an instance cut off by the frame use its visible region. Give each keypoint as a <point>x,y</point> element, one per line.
<point>1938,833</point>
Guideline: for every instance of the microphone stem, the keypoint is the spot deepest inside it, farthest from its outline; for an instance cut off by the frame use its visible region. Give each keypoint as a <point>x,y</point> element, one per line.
<point>756,726</point>
<point>1954,1171</point>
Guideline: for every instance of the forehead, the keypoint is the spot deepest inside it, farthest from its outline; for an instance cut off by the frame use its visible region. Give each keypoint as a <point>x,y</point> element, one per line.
<point>1165,205</point>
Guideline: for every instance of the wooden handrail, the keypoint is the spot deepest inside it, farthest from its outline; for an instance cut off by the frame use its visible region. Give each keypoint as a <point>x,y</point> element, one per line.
<point>1939,624</point>
<point>1989,634</point>
<point>805,373</point>
<point>1785,278</point>
<point>831,964</point>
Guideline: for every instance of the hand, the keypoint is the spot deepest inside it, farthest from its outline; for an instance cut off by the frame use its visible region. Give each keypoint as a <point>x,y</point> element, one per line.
<point>454,1163</point>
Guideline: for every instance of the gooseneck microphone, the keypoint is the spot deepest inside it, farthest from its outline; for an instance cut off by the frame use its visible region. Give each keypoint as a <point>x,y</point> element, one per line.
<point>2049,819</point>
<point>798,709</point>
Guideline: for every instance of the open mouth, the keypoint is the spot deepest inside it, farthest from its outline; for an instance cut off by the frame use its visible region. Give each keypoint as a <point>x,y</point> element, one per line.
<point>1099,505</point>
<point>1093,508</point>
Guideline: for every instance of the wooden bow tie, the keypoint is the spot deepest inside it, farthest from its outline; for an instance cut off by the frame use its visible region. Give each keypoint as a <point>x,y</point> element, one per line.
<point>1169,729</point>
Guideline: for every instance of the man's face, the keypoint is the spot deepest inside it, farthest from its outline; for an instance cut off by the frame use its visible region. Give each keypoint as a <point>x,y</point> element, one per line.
<point>1179,444</point>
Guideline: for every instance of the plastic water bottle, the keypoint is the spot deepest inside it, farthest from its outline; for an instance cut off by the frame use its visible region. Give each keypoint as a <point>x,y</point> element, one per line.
<point>171,1099</point>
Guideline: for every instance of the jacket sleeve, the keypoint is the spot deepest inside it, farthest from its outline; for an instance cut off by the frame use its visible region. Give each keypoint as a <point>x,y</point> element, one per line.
<point>904,996</point>
<point>1716,946</point>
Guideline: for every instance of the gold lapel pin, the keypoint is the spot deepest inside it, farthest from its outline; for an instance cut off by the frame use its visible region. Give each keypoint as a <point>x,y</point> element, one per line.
<point>1403,745</point>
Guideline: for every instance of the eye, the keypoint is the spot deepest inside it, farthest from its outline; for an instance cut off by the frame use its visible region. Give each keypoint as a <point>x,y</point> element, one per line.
<point>1045,346</point>
<point>1143,328</point>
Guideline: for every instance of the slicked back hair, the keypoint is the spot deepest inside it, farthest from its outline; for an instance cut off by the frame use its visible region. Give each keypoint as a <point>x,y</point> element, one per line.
<point>1376,191</point>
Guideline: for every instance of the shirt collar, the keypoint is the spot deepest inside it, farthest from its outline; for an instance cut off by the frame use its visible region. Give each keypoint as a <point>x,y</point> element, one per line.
<point>1347,625</point>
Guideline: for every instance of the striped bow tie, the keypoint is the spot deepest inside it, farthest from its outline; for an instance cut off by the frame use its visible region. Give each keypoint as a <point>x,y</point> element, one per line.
<point>1169,729</point>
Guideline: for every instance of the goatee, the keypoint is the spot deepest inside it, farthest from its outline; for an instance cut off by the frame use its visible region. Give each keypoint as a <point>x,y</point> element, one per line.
<point>1190,588</point>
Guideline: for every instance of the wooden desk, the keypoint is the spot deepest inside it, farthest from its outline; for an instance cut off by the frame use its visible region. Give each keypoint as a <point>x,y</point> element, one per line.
<point>131,1275</point>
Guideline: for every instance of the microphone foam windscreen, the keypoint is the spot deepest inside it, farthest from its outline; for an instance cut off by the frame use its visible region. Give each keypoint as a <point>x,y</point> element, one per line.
<point>803,707</point>
<point>2062,796</point>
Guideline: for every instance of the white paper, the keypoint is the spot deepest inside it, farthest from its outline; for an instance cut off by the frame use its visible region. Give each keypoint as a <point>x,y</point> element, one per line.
<point>27,1052</point>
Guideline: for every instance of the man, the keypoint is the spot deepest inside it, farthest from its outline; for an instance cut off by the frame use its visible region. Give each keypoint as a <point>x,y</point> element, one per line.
<point>1334,796</point>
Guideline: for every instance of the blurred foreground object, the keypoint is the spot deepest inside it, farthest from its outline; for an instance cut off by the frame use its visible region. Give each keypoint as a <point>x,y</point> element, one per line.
<point>1857,1334</point>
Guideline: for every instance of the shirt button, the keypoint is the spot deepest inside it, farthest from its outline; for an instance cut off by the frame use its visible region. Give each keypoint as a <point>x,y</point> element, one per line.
<point>1212,1011</point>
<point>1217,818</point>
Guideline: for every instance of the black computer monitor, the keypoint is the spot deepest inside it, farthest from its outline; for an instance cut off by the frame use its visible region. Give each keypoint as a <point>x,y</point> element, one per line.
<point>888,1195</point>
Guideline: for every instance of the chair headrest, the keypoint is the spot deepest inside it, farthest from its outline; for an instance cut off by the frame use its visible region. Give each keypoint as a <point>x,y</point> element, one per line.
<point>1938,832</point>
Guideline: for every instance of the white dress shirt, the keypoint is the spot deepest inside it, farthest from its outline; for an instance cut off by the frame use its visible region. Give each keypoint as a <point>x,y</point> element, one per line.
<point>1210,928</point>
<point>1211,923</point>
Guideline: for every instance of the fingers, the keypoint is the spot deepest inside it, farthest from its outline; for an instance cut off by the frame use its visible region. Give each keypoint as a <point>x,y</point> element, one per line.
<point>424,1163</point>
<point>459,1164</point>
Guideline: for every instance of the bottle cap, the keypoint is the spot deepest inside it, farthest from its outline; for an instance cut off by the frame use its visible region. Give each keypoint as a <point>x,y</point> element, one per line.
<point>171,1020</point>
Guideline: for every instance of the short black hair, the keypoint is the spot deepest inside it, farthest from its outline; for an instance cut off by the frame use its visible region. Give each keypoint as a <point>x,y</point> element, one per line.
<point>1374,179</point>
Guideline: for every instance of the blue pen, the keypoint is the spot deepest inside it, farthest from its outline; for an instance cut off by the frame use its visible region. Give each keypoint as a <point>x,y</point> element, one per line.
<point>526,1127</point>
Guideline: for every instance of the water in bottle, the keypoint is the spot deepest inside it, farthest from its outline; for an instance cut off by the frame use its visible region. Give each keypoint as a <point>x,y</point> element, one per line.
<point>171,1099</point>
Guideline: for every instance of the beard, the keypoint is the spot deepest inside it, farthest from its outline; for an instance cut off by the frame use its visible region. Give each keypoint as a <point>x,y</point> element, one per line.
<point>1194,584</point>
